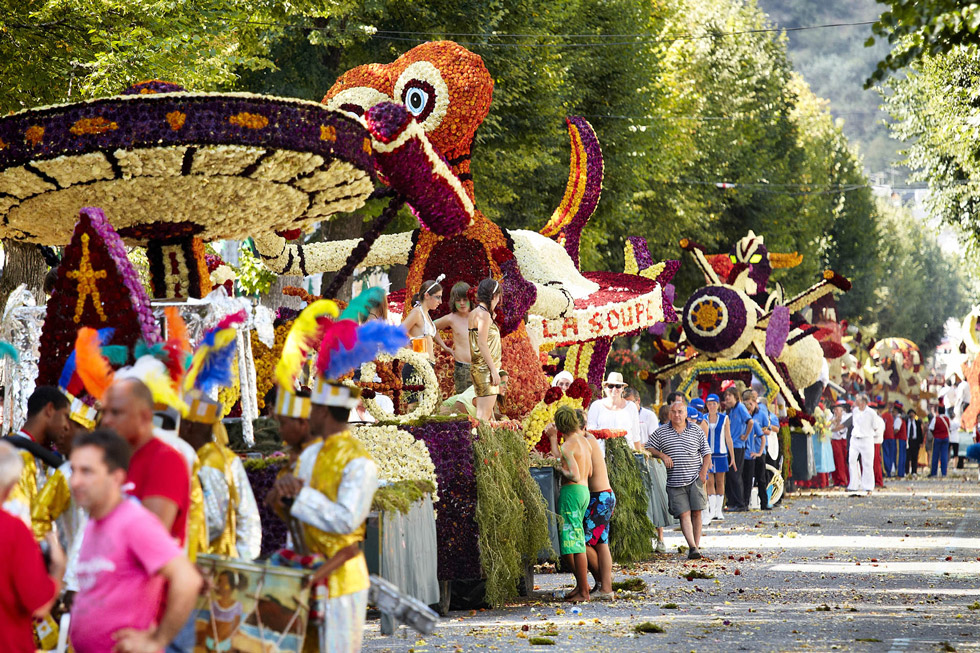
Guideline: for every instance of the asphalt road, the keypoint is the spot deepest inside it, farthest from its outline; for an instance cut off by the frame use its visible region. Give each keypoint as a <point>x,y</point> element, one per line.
<point>894,572</point>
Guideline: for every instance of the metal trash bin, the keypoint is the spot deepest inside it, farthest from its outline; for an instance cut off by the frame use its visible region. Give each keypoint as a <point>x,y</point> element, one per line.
<point>547,480</point>
<point>804,464</point>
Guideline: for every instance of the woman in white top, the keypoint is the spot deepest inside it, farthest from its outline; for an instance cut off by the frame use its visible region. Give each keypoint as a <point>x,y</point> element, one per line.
<point>614,412</point>
<point>422,330</point>
<point>419,324</point>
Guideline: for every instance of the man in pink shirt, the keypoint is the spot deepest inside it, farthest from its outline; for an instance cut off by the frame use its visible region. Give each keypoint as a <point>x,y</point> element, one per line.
<point>128,560</point>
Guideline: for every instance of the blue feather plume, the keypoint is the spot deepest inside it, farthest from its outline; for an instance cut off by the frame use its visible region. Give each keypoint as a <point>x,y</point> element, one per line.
<point>373,338</point>
<point>211,365</point>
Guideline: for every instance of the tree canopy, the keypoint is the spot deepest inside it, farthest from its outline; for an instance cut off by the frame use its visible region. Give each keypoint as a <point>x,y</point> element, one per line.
<point>706,130</point>
<point>918,28</point>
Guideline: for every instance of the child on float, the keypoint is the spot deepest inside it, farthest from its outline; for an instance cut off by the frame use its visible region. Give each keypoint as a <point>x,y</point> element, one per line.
<point>485,347</point>
<point>457,320</point>
<point>573,501</point>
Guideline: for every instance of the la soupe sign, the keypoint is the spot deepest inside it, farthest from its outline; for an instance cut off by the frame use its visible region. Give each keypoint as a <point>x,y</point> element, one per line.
<point>587,324</point>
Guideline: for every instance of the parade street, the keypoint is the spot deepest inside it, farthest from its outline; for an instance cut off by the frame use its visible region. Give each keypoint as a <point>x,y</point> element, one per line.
<point>822,571</point>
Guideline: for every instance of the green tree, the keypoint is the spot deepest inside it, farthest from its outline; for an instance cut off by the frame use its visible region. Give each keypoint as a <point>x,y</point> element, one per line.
<point>934,113</point>
<point>921,286</point>
<point>54,51</point>
<point>919,28</point>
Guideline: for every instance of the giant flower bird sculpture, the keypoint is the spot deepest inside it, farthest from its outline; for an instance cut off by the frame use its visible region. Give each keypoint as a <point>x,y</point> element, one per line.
<point>422,112</point>
<point>173,170</point>
<point>735,317</point>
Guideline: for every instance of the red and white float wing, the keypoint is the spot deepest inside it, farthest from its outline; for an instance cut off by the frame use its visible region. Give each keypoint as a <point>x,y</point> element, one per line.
<point>624,304</point>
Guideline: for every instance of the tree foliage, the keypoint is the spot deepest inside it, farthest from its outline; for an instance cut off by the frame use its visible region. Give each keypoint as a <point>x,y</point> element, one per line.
<point>835,63</point>
<point>920,284</point>
<point>706,131</point>
<point>934,113</point>
<point>919,28</point>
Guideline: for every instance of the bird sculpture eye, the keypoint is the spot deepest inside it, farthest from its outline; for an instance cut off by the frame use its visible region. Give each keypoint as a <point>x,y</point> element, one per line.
<point>419,98</point>
<point>416,100</point>
<point>424,93</point>
<point>755,258</point>
<point>734,259</point>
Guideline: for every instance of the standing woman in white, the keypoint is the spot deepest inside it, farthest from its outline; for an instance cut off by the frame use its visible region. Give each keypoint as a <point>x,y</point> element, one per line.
<point>614,412</point>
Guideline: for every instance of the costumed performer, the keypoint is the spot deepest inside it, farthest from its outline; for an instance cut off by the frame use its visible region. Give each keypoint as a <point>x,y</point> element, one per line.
<point>839,426</point>
<point>485,347</point>
<point>55,502</point>
<point>720,443</point>
<point>422,330</point>
<point>47,422</point>
<point>231,514</point>
<point>901,439</point>
<point>333,481</point>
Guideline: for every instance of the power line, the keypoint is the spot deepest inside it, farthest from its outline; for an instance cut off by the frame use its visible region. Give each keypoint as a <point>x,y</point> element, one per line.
<point>649,38</point>
<point>718,118</point>
<point>807,189</point>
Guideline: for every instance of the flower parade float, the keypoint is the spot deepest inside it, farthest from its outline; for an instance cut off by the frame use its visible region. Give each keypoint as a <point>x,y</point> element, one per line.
<point>437,95</point>
<point>738,327</point>
<point>173,170</point>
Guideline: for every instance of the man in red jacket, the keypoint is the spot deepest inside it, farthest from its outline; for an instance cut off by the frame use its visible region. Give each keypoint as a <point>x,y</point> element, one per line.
<point>27,588</point>
<point>901,437</point>
<point>889,448</point>
<point>889,435</point>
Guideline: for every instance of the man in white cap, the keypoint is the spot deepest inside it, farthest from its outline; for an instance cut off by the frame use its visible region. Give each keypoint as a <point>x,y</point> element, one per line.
<point>331,487</point>
<point>231,514</point>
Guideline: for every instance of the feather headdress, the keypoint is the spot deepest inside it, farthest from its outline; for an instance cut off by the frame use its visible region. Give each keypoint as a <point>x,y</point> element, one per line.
<point>177,346</point>
<point>153,373</point>
<point>69,381</point>
<point>344,348</point>
<point>211,364</point>
<point>91,366</point>
<point>362,305</point>
<point>305,333</point>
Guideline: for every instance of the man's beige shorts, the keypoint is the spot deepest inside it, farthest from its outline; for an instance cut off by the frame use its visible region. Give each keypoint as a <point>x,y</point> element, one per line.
<point>687,498</point>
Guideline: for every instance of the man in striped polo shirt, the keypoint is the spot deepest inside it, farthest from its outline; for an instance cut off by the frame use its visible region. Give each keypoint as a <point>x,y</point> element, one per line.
<point>684,450</point>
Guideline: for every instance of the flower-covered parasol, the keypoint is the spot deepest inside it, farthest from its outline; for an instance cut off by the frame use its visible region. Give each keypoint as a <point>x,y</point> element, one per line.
<point>173,170</point>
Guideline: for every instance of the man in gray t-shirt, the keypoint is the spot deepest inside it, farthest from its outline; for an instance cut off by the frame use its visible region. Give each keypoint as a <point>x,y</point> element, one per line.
<point>684,450</point>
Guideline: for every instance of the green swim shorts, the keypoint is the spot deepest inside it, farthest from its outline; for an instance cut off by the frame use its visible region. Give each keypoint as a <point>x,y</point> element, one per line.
<point>572,503</point>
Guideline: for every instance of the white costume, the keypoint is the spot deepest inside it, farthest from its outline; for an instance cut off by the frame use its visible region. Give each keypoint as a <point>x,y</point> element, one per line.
<point>867,426</point>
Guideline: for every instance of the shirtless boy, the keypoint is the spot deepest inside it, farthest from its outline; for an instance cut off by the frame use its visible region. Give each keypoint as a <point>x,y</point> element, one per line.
<point>602,502</point>
<point>576,468</point>
<point>457,320</point>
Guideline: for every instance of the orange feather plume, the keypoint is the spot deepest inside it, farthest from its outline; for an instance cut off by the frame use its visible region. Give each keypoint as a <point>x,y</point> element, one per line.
<point>92,367</point>
<point>177,329</point>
